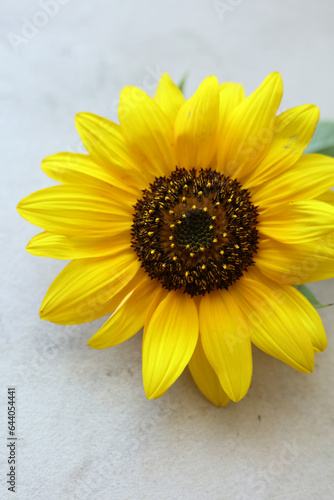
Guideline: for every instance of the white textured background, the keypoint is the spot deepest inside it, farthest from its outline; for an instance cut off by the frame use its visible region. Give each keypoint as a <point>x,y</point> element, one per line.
<point>86,430</point>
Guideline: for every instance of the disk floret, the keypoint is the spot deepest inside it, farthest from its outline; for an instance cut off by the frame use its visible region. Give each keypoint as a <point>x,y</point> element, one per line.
<point>195,230</point>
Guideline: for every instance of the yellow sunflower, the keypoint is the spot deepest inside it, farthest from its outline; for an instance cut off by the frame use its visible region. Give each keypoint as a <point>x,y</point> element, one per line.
<point>192,219</point>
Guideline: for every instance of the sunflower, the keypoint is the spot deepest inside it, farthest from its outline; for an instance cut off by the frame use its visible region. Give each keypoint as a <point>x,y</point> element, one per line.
<point>192,219</point>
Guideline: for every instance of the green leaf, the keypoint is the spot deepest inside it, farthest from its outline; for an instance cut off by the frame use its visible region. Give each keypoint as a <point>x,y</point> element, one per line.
<point>310,296</point>
<point>323,139</point>
<point>182,83</point>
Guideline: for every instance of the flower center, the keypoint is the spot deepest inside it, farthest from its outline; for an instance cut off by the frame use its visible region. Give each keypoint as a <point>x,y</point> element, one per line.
<point>195,231</point>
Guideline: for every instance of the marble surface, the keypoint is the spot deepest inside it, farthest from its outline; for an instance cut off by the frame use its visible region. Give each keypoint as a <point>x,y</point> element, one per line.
<point>86,430</point>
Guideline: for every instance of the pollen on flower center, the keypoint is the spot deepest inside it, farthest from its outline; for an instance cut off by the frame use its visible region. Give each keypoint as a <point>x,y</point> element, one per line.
<point>195,230</point>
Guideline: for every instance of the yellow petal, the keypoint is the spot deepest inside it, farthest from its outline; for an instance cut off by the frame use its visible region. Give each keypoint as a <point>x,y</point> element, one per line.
<point>147,131</point>
<point>169,97</point>
<point>169,342</point>
<point>73,168</point>
<point>296,264</point>
<point>57,246</point>
<point>310,320</point>
<point>128,318</point>
<point>81,292</point>
<point>105,143</point>
<point>205,377</point>
<point>158,298</point>
<point>77,210</point>
<point>327,197</point>
<point>226,342</point>
<point>249,129</point>
<point>196,126</point>
<point>298,221</point>
<point>306,179</point>
<point>293,130</point>
<point>230,95</point>
<point>277,324</point>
